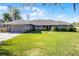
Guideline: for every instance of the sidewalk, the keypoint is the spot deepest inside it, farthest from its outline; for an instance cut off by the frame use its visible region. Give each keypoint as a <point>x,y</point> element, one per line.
<point>6,36</point>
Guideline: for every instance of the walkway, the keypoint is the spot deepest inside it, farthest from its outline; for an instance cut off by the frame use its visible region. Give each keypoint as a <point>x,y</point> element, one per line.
<point>6,36</point>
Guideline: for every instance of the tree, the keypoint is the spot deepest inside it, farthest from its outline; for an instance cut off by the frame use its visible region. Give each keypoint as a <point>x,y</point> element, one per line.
<point>12,14</point>
<point>16,14</point>
<point>6,17</point>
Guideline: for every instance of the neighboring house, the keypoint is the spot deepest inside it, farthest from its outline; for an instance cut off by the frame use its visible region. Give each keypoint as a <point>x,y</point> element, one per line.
<point>22,25</point>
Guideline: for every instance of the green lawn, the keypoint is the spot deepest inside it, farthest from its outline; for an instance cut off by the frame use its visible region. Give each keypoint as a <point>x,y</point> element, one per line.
<point>42,44</point>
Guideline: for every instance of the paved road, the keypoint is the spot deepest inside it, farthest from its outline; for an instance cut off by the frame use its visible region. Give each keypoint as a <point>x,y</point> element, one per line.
<point>6,36</point>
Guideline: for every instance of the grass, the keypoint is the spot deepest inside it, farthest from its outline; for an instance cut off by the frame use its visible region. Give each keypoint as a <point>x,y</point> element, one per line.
<point>42,44</point>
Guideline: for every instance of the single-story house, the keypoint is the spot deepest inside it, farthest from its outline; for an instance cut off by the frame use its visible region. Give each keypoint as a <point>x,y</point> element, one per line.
<point>23,25</point>
<point>49,24</point>
<point>2,28</point>
<point>17,26</point>
<point>1,24</point>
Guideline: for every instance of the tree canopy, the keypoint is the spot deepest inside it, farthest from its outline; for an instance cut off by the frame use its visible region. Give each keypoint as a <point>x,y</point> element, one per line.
<point>12,14</point>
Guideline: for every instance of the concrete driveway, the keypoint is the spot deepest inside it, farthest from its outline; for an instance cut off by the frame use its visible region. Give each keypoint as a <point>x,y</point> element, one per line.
<point>6,36</point>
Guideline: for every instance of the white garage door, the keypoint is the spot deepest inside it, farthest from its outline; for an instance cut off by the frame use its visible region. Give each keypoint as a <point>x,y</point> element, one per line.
<point>18,28</point>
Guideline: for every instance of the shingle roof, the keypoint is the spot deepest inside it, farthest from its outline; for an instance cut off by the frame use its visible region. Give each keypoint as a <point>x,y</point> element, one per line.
<point>42,22</point>
<point>17,22</point>
<point>48,22</point>
<point>62,23</point>
<point>39,22</point>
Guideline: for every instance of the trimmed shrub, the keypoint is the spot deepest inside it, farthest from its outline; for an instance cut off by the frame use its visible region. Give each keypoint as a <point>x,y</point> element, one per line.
<point>64,29</point>
<point>73,29</point>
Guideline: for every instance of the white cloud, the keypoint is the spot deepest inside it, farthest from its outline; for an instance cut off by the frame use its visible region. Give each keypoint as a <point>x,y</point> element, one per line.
<point>34,12</point>
<point>37,12</point>
<point>76,17</point>
<point>2,10</point>
<point>68,19</point>
<point>61,16</point>
<point>23,16</point>
<point>25,8</point>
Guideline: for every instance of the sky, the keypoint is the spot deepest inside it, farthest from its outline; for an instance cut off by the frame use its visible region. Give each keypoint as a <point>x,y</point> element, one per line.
<point>64,12</point>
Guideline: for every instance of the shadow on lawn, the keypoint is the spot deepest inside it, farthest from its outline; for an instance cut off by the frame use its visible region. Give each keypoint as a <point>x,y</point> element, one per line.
<point>4,43</point>
<point>4,52</point>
